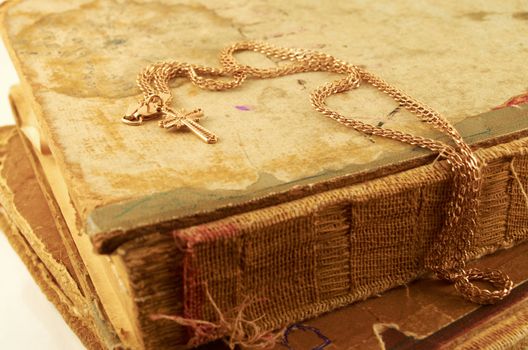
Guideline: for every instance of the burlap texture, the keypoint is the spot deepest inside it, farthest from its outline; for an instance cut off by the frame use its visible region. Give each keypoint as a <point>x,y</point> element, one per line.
<point>313,255</point>
<point>309,256</point>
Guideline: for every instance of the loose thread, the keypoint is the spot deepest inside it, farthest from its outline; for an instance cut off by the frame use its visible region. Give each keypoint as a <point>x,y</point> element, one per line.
<point>241,332</point>
<point>306,328</point>
<point>514,173</point>
<point>438,157</point>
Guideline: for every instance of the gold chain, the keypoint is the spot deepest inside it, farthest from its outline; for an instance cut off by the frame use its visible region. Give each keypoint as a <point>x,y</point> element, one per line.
<point>450,250</point>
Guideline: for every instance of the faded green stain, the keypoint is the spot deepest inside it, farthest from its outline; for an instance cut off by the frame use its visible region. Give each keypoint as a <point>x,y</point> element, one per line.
<point>131,206</point>
<point>185,202</point>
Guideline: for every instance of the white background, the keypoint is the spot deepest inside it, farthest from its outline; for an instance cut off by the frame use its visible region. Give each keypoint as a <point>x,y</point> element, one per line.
<point>27,319</point>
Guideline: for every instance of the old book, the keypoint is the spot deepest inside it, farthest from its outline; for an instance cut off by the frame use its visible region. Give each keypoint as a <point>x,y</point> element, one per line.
<point>417,316</point>
<point>296,217</point>
<point>35,234</point>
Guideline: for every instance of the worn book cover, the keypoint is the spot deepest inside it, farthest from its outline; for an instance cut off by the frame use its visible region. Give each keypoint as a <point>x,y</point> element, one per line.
<point>416,316</point>
<point>289,208</point>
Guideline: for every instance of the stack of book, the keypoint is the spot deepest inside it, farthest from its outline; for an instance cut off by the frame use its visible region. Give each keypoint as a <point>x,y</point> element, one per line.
<point>134,233</point>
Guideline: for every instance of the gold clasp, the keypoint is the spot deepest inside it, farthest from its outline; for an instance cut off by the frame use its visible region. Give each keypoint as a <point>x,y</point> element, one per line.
<point>150,108</point>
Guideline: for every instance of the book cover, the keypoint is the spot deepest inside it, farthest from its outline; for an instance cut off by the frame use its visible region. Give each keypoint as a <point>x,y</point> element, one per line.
<point>288,206</point>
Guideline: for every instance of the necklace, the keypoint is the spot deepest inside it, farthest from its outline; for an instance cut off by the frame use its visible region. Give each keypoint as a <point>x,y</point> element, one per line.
<point>451,248</point>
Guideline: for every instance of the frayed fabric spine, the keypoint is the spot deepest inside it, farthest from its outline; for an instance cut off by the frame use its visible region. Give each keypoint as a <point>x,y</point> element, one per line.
<point>232,326</point>
<point>313,255</point>
<point>194,290</point>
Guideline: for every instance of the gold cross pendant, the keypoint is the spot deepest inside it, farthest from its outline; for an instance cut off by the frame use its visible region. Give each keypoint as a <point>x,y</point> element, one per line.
<point>179,119</point>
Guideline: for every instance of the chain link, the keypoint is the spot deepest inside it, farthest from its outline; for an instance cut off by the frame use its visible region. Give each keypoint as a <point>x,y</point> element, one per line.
<point>450,250</point>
